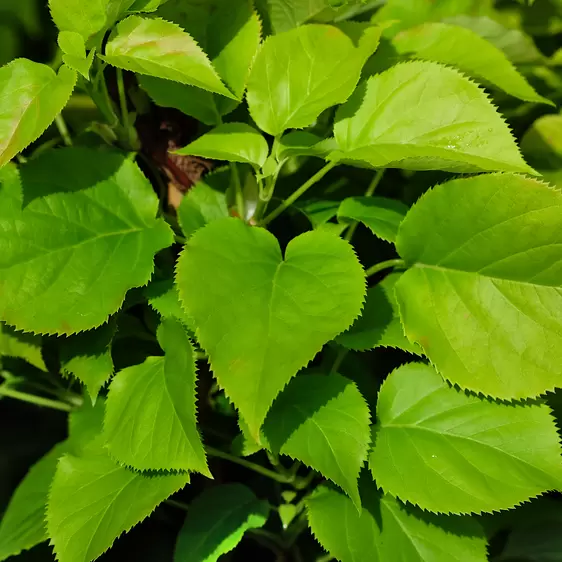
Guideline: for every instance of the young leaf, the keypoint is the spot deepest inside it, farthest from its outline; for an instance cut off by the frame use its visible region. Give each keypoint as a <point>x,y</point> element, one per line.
<point>74,52</point>
<point>163,296</point>
<point>150,420</point>
<point>445,450</point>
<point>23,522</point>
<point>235,142</point>
<point>461,47</point>
<point>24,346</point>
<point>382,216</point>
<point>384,530</point>
<point>322,421</point>
<point>88,357</point>
<point>162,49</point>
<point>86,18</point>
<point>201,204</point>
<point>422,116</point>
<point>287,15</point>
<point>379,324</point>
<point>483,297</point>
<point>31,96</point>
<point>300,73</point>
<point>93,500</point>
<point>216,522</point>
<point>84,238</point>
<point>231,51</point>
<point>260,317</point>
<point>542,143</point>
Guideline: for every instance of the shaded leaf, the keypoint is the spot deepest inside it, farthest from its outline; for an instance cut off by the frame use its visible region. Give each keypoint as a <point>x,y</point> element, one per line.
<point>483,296</point>
<point>382,216</point>
<point>260,317</point>
<point>288,15</point>
<point>303,143</point>
<point>379,324</point>
<point>445,450</point>
<point>24,346</point>
<point>421,116</point>
<point>162,49</point>
<point>31,96</point>
<point>97,220</point>
<point>323,421</point>
<point>23,523</point>
<point>163,296</point>
<point>542,143</point>
<point>216,522</point>
<point>463,48</point>
<point>93,500</point>
<point>88,357</point>
<point>150,420</point>
<point>384,530</point>
<point>300,73</point>
<point>234,142</point>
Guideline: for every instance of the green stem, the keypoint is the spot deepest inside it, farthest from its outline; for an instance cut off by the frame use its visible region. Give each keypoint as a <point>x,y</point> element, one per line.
<point>63,129</point>
<point>37,400</point>
<point>370,190</point>
<point>247,464</point>
<point>238,190</point>
<point>180,239</point>
<point>325,558</point>
<point>179,505</point>
<point>338,360</point>
<point>385,265</point>
<point>123,100</point>
<point>296,194</point>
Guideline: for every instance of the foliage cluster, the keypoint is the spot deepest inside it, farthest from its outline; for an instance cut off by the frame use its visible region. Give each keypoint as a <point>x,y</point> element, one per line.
<point>291,272</point>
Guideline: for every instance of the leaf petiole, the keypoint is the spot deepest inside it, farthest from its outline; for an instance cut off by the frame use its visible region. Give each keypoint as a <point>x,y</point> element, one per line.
<point>298,193</point>
<point>37,400</point>
<point>385,265</point>
<point>63,129</point>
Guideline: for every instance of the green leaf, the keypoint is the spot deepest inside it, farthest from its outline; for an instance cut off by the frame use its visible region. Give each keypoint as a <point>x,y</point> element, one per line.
<point>97,221</point>
<point>517,45</point>
<point>85,424</point>
<point>483,296</point>
<point>542,143</point>
<point>216,522</point>
<point>300,73</point>
<point>303,143</point>
<point>422,116</point>
<point>201,205</point>
<point>31,96</point>
<point>146,5</point>
<point>88,357</point>
<point>72,43</point>
<point>234,142</point>
<point>23,522</point>
<point>150,420</point>
<point>260,317</point>
<point>86,18</point>
<point>452,452</point>
<point>382,216</point>
<point>379,324</point>
<point>93,500</point>
<point>384,530</point>
<point>323,421</point>
<point>163,296</point>
<point>24,346</point>
<point>162,49</point>
<point>231,52</point>
<point>287,15</point>
<point>463,48</point>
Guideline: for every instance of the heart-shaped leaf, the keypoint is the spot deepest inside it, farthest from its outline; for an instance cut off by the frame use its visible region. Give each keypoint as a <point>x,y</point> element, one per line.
<point>96,220</point>
<point>445,450</point>
<point>162,49</point>
<point>322,421</point>
<point>483,297</point>
<point>260,317</point>
<point>424,116</point>
<point>235,142</point>
<point>385,530</point>
<point>31,96</point>
<point>150,421</point>
<point>300,73</point>
<point>463,48</point>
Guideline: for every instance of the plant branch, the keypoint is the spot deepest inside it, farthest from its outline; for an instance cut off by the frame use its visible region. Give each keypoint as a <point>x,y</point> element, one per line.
<point>63,129</point>
<point>239,195</point>
<point>122,100</point>
<point>247,464</point>
<point>385,265</point>
<point>37,400</point>
<point>370,190</point>
<point>298,193</point>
